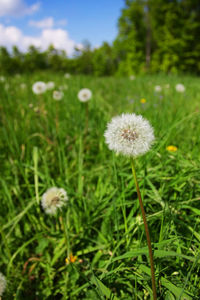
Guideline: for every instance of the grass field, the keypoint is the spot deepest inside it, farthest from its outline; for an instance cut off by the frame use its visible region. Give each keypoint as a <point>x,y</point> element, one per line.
<point>43,143</point>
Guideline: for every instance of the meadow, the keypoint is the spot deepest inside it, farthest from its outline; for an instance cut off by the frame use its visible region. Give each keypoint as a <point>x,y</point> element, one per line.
<point>95,247</point>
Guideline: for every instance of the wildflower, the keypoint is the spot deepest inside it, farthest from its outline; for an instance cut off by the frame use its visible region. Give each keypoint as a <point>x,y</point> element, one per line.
<point>132,77</point>
<point>39,87</point>
<point>84,95</point>
<point>129,134</point>
<point>30,105</point>
<point>143,100</point>
<point>71,259</point>
<point>2,284</point>
<point>171,148</point>
<point>53,199</point>
<point>180,88</point>
<point>50,85</point>
<point>57,95</point>
<point>67,75</point>
<point>167,86</point>
<point>158,88</point>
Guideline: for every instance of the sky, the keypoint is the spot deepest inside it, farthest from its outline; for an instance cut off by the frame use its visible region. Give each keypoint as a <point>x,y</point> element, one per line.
<point>63,23</point>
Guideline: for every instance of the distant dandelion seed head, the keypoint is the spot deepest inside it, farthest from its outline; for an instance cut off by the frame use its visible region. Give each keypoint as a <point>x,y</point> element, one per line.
<point>2,79</point>
<point>53,199</point>
<point>50,85</point>
<point>67,75</point>
<point>180,88</point>
<point>39,87</point>
<point>57,95</point>
<point>2,284</point>
<point>129,134</point>
<point>132,77</point>
<point>23,86</point>
<point>158,88</point>
<point>84,95</point>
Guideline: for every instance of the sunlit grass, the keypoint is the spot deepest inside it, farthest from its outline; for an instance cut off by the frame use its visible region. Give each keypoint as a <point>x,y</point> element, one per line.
<point>106,234</point>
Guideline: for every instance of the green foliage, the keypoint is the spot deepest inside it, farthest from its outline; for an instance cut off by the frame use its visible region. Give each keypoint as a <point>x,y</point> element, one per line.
<point>153,36</point>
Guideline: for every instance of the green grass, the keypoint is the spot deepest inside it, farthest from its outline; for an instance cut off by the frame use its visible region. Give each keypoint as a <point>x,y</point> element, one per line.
<point>47,147</point>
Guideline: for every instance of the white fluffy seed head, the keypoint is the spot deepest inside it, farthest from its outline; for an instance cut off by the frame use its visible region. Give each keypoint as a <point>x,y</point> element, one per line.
<point>84,95</point>
<point>158,88</point>
<point>50,85</point>
<point>67,75</point>
<point>53,199</point>
<point>129,134</point>
<point>57,95</point>
<point>2,79</point>
<point>39,87</point>
<point>180,88</point>
<point>2,284</point>
<point>132,77</point>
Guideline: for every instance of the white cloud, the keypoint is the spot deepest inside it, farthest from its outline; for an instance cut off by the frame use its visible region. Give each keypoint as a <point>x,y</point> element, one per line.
<point>11,35</point>
<point>17,8</point>
<point>45,23</point>
<point>62,22</point>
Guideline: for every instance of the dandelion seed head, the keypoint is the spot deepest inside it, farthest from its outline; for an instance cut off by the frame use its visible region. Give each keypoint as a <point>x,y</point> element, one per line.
<point>180,88</point>
<point>2,79</point>
<point>132,77</point>
<point>67,75</point>
<point>129,134</point>
<point>158,88</point>
<point>50,85</point>
<point>53,199</point>
<point>84,95</point>
<point>57,95</point>
<point>23,86</point>
<point>2,284</point>
<point>39,87</point>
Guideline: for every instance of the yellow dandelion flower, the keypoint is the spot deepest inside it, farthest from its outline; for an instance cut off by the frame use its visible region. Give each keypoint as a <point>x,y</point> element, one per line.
<point>143,100</point>
<point>171,148</point>
<point>71,259</point>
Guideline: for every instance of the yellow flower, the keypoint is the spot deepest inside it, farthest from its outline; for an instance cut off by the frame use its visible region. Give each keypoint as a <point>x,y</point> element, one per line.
<point>143,100</point>
<point>71,259</point>
<point>172,148</point>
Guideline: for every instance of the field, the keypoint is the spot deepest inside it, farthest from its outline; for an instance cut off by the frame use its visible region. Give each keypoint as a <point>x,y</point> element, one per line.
<point>95,247</point>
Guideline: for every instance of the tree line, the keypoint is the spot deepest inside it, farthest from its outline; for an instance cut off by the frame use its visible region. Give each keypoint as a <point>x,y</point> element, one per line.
<point>153,36</point>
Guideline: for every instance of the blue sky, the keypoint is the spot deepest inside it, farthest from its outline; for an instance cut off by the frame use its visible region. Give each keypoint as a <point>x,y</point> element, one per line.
<point>60,22</point>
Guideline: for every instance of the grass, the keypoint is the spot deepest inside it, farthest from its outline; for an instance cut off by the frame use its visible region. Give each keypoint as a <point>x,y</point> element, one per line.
<point>45,145</point>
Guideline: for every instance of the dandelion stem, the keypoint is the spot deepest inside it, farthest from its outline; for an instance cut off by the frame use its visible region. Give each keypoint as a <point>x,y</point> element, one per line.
<point>146,231</point>
<point>86,117</point>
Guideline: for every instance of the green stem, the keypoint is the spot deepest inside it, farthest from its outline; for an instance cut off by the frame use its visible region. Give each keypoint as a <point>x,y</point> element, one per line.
<point>86,118</point>
<point>146,231</point>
